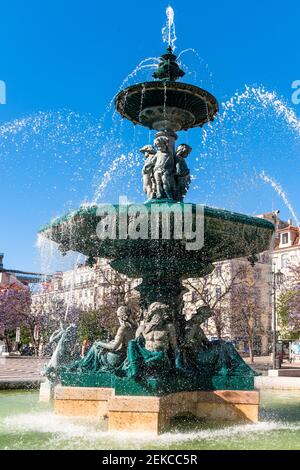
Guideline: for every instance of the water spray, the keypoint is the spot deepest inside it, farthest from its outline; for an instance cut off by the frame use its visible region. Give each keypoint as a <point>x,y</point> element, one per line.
<point>168,31</point>
<point>279,190</point>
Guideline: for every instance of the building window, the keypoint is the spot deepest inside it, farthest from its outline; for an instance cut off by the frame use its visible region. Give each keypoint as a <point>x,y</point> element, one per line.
<point>284,261</point>
<point>284,238</point>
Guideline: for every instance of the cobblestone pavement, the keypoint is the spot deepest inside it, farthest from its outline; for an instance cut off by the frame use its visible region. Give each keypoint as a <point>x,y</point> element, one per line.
<point>28,369</point>
<point>263,363</point>
<point>268,360</point>
<point>21,369</point>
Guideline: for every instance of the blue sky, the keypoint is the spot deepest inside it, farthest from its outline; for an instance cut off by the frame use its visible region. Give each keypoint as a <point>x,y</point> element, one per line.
<point>66,59</point>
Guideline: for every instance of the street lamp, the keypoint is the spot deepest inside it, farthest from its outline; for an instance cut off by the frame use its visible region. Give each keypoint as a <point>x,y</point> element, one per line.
<point>277,281</point>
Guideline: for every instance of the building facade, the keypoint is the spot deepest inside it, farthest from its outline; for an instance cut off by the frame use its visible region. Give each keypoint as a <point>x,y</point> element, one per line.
<point>86,288</point>
<point>221,291</point>
<point>223,284</point>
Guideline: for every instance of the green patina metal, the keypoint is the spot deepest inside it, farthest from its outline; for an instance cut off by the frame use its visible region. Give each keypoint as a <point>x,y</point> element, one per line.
<point>90,212</point>
<point>153,386</point>
<point>227,235</point>
<point>168,69</point>
<point>150,373</point>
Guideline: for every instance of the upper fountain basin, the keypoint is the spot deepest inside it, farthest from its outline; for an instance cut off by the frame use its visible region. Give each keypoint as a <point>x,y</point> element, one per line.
<point>166,105</point>
<point>226,235</point>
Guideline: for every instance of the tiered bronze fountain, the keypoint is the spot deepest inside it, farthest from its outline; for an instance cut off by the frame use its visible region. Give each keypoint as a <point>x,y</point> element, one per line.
<point>163,366</point>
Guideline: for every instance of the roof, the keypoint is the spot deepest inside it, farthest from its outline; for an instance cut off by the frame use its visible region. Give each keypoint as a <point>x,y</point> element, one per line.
<point>295,243</point>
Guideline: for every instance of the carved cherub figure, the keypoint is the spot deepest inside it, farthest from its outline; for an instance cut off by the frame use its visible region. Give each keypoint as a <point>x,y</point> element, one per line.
<point>182,172</point>
<point>147,173</point>
<point>164,169</point>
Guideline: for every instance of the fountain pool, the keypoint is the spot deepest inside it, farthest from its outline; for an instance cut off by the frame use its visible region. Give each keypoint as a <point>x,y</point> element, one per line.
<point>27,424</point>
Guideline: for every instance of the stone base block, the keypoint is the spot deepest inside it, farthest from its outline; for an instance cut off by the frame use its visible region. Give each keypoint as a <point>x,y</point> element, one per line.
<point>135,414</point>
<point>228,405</point>
<point>46,391</point>
<point>154,414</point>
<point>82,401</point>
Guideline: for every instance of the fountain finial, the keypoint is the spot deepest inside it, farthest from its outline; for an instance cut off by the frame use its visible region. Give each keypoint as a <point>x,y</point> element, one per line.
<point>168,68</point>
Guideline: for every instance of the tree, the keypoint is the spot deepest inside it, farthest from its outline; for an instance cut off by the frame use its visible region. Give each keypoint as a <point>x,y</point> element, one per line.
<point>97,324</point>
<point>121,288</point>
<point>15,301</point>
<point>214,291</point>
<point>293,306</point>
<point>48,312</point>
<point>246,312</point>
<point>288,318</point>
<point>288,305</point>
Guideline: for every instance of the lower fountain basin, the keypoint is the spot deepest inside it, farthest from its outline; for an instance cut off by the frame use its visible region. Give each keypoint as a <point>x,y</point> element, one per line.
<point>23,416</point>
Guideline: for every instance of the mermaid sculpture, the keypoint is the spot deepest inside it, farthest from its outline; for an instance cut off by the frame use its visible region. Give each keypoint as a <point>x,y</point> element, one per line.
<point>108,356</point>
<point>198,353</point>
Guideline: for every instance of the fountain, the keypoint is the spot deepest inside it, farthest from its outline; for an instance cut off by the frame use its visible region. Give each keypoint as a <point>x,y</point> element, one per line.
<point>164,366</point>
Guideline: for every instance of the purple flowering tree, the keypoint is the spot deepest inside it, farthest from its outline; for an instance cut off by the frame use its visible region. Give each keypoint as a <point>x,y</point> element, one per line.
<point>293,306</point>
<point>15,304</point>
<point>288,308</point>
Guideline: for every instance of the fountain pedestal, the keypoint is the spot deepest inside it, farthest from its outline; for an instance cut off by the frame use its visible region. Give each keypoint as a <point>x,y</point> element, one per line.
<point>152,413</point>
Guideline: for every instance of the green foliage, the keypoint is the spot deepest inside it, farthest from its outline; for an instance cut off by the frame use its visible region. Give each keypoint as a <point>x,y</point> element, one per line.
<point>97,324</point>
<point>25,335</point>
<point>283,303</point>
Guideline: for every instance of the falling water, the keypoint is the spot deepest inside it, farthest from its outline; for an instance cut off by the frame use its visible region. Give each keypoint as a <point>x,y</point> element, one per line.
<point>142,66</point>
<point>245,139</point>
<point>266,99</point>
<point>165,100</point>
<point>278,428</point>
<point>142,98</point>
<point>280,192</point>
<point>107,177</point>
<point>202,63</point>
